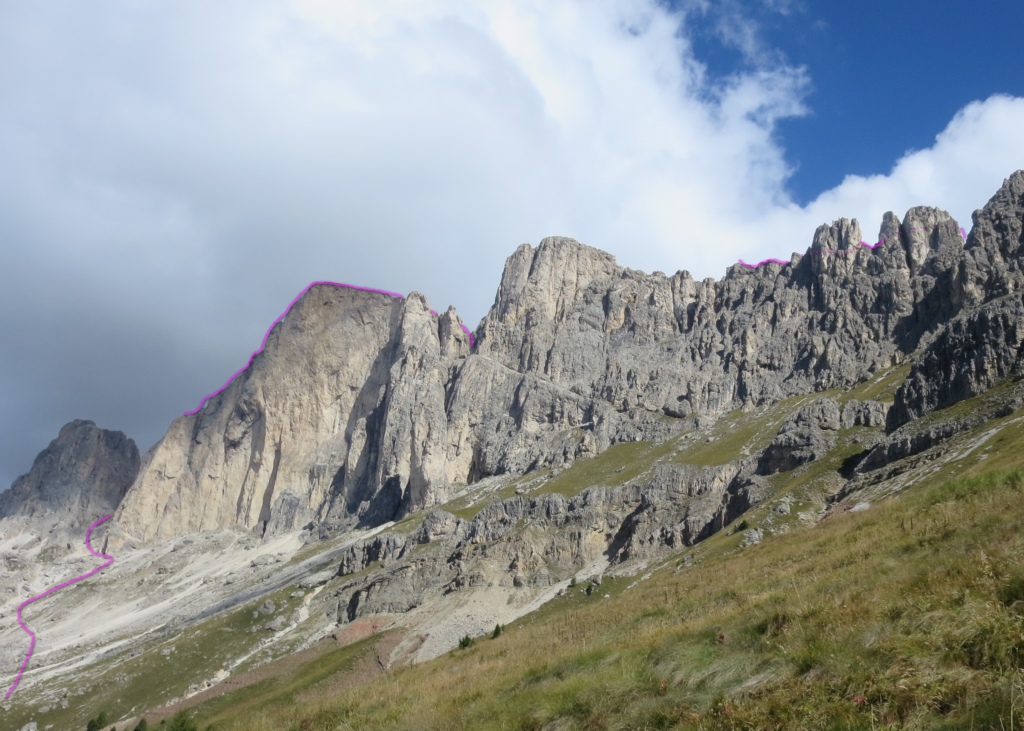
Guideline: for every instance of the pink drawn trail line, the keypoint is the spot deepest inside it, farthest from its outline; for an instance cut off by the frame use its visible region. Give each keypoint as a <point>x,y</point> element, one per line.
<point>814,251</point>
<point>32,644</point>
<point>286,311</point>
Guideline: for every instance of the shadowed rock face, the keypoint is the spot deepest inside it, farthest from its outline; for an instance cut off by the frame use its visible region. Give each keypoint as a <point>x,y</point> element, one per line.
<point>80,477</point>
<point>675,506</point>
<point>802,438</point>
<point>364,407</point>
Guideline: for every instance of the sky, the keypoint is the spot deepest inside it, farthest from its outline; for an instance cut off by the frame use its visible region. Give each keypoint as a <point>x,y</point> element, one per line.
<point>174,173</point>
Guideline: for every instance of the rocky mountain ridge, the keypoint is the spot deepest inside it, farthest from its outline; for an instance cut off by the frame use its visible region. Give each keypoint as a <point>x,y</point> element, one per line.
<point>83,474</point>
<point>605,419</point>
<point>578,354</point>
<point>363,408</point>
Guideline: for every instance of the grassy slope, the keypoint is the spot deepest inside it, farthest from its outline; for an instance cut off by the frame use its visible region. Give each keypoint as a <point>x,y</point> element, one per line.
<point>901,616</point>
<point>148,679</point>
<point>591,662</point>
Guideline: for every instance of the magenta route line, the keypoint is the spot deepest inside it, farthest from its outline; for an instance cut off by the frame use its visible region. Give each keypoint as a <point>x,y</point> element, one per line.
<point>824,251</point>
<point>284,314</point>
<point>32,642</point>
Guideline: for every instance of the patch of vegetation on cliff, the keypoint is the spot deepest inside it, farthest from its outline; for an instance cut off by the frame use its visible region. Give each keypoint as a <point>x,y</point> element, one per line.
<point>615,466</point>
<point>739,433</point>
<point>880,387</point>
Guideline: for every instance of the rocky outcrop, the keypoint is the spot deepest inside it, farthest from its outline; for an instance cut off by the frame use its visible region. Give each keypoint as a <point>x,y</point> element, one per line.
<point>981,345</point>
<point>974,352</point>
<point>864,413</point>
<point>540,540</point>
<point>902,445</point>
<point>802,438</point>
<point>340,416</point>
<point>665,518</point>
<point>363,407</point>
<point>671,344</point>
<point>502,421</point>
<point>80,477</point>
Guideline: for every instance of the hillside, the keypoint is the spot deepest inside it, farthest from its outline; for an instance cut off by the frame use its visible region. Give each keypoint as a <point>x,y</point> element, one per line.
<point>900,607</point>
<point>908,614</point>
<point>791,491</point>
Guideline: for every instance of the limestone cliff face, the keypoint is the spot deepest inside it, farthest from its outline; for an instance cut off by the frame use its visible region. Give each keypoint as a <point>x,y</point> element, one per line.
<point>567,313</point>
<point>363,407</point>
<point>80,477</point>
<point>540,540</point>
<point>981,343</point>
<point>343,409</point>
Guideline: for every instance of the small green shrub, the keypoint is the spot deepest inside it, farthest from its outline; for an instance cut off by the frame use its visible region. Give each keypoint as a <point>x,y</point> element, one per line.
<point>466,641</point>
<point>743,525</point>
<point>182,722</point>
<point>1012,590</point>
<point>497,631</point>
<point>590,589</point>
<point>773,625</point>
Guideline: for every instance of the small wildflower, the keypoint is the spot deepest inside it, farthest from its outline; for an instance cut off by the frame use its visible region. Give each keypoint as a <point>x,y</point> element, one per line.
<point>859,699</point>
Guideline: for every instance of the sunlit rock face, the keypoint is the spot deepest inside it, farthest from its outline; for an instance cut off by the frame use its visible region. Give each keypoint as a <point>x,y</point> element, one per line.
<point>363,407</point>
<point>344,406</point>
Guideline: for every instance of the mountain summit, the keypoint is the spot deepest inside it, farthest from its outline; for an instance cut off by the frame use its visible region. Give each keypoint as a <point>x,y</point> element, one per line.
<point>371,469</point>
<point>85,472</point>
<point>362,407</point>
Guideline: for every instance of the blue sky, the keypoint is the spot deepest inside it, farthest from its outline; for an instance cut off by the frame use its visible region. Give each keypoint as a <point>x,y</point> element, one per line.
<point>884,77</point>
<point>176,171</point>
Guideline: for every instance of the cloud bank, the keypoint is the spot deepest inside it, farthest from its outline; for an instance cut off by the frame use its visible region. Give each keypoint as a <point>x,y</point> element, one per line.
<point>176,172</point>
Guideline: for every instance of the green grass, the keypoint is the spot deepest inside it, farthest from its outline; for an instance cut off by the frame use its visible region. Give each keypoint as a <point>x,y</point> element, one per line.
<point>616,466</point>
<point>881,387</point>
<point>908,606</point>
<point>246,706</point>
<point>908,615</point>
<point>740,433</point>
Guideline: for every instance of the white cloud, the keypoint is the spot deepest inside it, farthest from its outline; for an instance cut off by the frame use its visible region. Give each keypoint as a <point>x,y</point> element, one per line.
<point>968,162</point>
<point>183,169</point>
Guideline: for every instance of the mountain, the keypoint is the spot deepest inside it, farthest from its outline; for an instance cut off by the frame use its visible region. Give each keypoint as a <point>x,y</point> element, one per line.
<point>83,474</point>
<point>362,407</point>
<point>375,469</point>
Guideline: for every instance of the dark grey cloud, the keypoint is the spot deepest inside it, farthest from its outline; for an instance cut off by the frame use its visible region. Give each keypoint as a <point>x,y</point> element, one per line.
<point>175,172</point>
